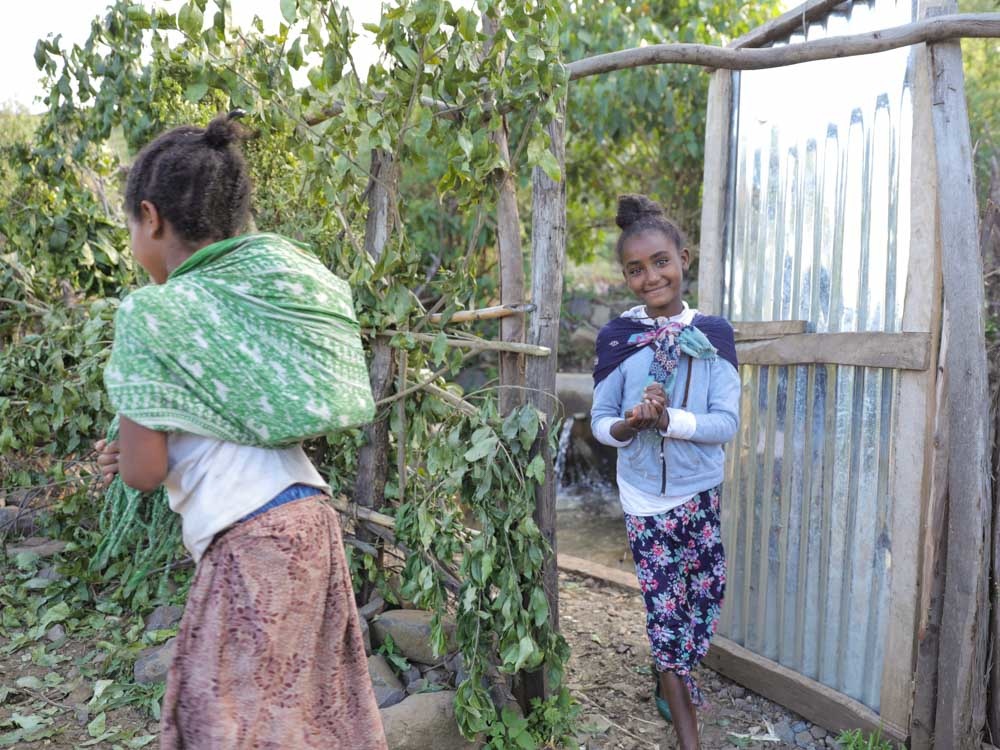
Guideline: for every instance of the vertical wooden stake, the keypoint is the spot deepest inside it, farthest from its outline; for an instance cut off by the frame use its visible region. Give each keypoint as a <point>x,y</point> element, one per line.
<point>548,256</point>
<point>511,265</point>
<point>962,667</point>
<point>373,458</point>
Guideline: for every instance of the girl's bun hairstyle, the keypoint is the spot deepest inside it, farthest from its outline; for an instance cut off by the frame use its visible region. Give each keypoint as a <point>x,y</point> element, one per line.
<point>638,214</point>
<point>225,129</point>
<point>197,179</point>
<point>633,208</point>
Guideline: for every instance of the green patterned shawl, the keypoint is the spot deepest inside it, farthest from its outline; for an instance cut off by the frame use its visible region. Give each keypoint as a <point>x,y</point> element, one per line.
<point>251,340</point>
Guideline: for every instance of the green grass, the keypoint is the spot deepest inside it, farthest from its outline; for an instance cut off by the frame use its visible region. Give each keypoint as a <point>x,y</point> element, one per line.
<point>858,740</point>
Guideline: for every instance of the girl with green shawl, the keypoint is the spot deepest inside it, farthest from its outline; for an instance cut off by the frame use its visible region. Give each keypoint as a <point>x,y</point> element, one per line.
<point>244,347</point>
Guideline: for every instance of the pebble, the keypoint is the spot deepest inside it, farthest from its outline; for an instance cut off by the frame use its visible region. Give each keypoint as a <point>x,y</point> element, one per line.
<point>818,732</point>
<point>163,617</point>
<point>784,730</point>
<point>804,739</point>
<point>153,663</point>
<point>55,633</point>
<point>738,691</point>
<point>800,726</point>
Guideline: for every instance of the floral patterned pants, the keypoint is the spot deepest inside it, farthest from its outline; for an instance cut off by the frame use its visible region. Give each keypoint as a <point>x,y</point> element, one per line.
<point>681,567</point>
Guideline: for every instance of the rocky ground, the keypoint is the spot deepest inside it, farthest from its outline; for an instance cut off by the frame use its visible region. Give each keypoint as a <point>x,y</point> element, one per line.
<point>95,680</point>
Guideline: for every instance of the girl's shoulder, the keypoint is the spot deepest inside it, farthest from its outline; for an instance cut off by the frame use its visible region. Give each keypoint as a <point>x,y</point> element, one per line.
<point>720,333</point>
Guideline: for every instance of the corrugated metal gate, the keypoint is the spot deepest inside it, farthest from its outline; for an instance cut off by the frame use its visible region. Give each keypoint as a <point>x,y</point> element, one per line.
<point>818,230</point>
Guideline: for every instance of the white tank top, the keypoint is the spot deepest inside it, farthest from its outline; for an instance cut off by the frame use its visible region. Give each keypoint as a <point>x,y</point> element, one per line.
<point>212,483</point>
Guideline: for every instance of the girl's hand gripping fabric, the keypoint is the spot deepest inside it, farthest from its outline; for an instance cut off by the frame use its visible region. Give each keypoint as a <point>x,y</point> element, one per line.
<point>107,459</point>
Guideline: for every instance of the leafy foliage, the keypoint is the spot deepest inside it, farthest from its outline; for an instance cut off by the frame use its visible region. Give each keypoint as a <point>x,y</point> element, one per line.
<point>143,71</point>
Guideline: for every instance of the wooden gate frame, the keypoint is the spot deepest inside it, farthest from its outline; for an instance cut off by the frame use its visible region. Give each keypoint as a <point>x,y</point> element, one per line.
<point>938,702</point>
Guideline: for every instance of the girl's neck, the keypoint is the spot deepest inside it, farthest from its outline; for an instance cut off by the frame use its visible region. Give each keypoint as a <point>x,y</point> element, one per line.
<point>672,311</point>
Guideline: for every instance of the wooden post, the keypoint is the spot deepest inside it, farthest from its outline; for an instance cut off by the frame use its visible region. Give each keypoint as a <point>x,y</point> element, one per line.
<point>548,257</point>
<point>711,251</point>
<point>913,446</point>
<point>511,265</point>
<point>373,458</point>
<point>962,667</point>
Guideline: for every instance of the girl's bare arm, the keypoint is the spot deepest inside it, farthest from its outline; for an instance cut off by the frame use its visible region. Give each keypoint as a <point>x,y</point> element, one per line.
<point>142,460</point>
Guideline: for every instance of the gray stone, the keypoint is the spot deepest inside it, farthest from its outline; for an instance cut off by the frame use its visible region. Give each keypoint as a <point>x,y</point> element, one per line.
<point>804,739</point>
<point>423,721</point>
<point>738,691</point>
<point>436,676</point>
<point>818,732</point>
<point>583,337</point>
<point>578,307</point>
<point>366,634</point>
<point>455,664</point>
<point>600,315</point>
<point>800,726</point>
<point>37,545</point>
<point>80,694</point>
<point>49,573</point>
<point>784,730</point>
<point>153,663</point>
<point>375,605</point>
<point>18,520</point>
<point>576,391</point>
<point>416,686</point>
<point>597,724</point>
<point>411,675</point>
<point>411,632</point>
<point>163,617</point>
<point>55,633</point>
<point>388,689</point>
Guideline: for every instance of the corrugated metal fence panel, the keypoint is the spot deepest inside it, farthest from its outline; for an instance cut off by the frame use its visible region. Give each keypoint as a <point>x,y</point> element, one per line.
<point>818,231</point>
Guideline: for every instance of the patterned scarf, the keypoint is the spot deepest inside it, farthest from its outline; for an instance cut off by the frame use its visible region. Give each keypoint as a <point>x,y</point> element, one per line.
<point>705,338</point>
<point>251,340</point>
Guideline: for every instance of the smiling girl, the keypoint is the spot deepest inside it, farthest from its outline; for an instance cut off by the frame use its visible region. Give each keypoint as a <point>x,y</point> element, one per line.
<point>666,394</point>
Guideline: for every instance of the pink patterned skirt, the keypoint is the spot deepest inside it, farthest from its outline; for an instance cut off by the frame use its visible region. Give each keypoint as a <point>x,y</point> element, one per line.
<point>270,652</point>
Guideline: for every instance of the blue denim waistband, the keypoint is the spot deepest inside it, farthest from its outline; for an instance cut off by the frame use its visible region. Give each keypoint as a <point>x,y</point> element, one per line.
<point>289,494</point>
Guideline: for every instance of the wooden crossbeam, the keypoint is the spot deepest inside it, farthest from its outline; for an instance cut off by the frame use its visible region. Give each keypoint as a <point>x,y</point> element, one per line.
<point>941,28</point>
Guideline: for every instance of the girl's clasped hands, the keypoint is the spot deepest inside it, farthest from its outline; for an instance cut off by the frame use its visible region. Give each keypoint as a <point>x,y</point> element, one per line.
<point>652,412</point>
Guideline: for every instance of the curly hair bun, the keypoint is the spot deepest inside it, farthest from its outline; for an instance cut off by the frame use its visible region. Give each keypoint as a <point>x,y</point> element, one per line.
<point>222,131</point>
<point>632,208</point>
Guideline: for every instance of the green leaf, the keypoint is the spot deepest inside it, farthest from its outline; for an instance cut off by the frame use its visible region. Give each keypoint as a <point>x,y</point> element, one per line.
<point>190,19</point>
<point>196,91</point>
<point>289,10</point>
<point>536,53</point>
<point>481,449</point>
<point>98,726</point>
<point>29,682</point>
<point>439,348</point>
<point>295,54</point>
<point>55,614</point>
<point>536,469</point>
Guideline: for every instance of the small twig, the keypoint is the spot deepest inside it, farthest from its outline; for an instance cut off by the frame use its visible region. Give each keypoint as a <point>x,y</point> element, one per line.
<point>619,727</point>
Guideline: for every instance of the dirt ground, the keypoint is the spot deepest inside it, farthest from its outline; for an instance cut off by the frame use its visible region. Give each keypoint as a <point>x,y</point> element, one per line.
<point>609,673</point>
<point>52,694</point>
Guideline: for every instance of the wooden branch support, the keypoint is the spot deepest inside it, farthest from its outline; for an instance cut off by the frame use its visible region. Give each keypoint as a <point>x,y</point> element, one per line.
<point>941,28</point>
<point>476,344</point>
<point>450,398</point>
<point>485,313</point>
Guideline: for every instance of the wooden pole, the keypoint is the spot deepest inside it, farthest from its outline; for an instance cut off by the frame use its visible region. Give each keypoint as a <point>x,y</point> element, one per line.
<point>485,313</point>
<point>975,25</point>
<point>962,667</point>
<point>511,393</point>
<point>548,257</point>
<point>475,343</point>
<point>373,457</point>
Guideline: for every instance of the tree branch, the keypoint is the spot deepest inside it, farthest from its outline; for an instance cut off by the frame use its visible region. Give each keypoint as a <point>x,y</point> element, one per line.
<point>969,25</point>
